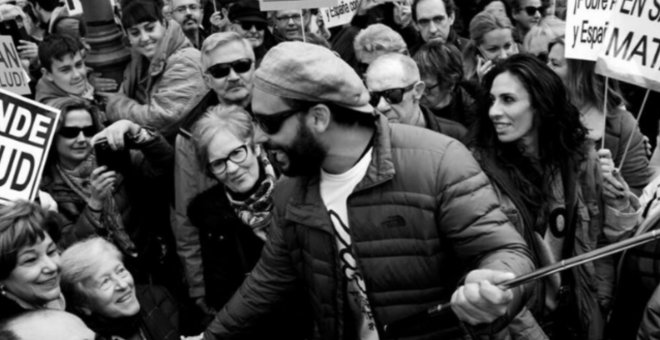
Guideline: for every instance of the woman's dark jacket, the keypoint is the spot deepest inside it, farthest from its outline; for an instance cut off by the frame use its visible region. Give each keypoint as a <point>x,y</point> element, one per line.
<point>229,252</point>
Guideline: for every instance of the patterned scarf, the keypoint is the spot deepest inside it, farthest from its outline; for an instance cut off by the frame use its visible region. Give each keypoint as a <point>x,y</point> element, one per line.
<point>256,210</point>
<point>111,225</point>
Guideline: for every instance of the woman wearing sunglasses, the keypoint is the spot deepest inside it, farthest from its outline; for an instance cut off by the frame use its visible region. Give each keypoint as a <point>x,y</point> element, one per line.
<point>98,199</point>
<point>234,216</point>
<point>491,40</point>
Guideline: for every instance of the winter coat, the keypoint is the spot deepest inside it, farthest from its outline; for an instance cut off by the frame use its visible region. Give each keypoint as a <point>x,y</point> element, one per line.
<point>189,181</point>
<point>621,127</point>
<point>445,126</point>
<point>230,249</point>
<point>421,218</point>
<point>596,224</point>
<point>173,84</point>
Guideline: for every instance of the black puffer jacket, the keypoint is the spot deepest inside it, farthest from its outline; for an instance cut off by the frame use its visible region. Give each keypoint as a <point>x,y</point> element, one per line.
<point>421,218</point>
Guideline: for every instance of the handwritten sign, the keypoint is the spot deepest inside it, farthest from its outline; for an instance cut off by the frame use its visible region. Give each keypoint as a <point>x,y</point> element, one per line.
<point>631,49</point>
<point>12,75</point>
<point>341,14</point>
<point>281,5</point>
<point>587,22</point>
<point>26,133</point>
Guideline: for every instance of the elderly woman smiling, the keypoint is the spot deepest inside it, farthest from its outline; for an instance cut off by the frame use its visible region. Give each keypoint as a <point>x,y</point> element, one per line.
<point>102,292</point>
<point>29,261</point>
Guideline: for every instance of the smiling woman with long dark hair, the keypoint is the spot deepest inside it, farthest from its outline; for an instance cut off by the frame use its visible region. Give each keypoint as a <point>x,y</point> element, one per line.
<point>563,197</point>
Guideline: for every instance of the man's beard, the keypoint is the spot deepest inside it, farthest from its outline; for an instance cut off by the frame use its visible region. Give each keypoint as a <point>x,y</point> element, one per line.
<point>305,154</point>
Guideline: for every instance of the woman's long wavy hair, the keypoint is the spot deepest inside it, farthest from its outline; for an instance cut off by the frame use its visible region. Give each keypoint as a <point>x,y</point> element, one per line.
<point>561,135</point>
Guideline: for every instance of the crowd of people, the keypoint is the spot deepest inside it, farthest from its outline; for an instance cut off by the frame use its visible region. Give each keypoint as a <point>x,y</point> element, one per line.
<point>260,175</point>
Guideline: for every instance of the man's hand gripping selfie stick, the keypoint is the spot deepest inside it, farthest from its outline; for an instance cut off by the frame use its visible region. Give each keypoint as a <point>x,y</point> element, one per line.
<point>397,327</point>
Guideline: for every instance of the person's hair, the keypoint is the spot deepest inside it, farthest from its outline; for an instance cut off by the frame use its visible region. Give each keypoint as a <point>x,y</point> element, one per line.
<point>139,11</point>
<point>378,38</point>
<point>47,5</point>
<point>482,24</point>
<point>59,29</point>
<point>450,7</point>
<point>31,317</point>
<point>217,40</point>
<point>442,61</point>
<point>561,135</point>
<point>22,224</point>
<point>410,69</point>
<point>56,47</point>
<point>539,37</point>
<point>221,119</point>
<point>586,88</point>
<point>507,7</point>
<point>78,263</point>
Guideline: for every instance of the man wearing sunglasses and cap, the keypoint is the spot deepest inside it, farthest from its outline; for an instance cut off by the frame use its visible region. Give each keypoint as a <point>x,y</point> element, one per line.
<point>376,221</point>
<point>228,63</point>
<point>396,89</point>
<point>251,24</point>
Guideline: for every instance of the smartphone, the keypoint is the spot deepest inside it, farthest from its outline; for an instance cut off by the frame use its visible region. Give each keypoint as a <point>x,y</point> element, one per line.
<point>115,160</point>
<point>10,28</point>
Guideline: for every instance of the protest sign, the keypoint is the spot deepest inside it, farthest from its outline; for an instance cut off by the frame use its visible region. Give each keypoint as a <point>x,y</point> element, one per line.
<point>631,48</point>
<point>587,21</point>
<point>26,133</point>
<point>339,15</point>
<point>12,75</point>
<point>74,7</point>
<point>280,5</point>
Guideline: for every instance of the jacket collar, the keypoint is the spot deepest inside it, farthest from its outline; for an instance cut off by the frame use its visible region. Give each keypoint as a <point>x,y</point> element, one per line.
<point>306,205</point>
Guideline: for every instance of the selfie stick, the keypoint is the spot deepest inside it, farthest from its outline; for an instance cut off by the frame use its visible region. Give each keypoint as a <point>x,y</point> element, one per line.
<point>397,326</point>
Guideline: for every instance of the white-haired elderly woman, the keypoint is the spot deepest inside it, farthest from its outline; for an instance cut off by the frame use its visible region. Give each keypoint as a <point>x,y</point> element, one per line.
<point>102,292</point>
<point>374,41</point>
<point>234,216</point>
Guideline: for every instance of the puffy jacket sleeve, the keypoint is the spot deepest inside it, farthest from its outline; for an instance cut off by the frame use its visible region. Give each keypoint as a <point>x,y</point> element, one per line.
<point>470,216</point>
<point>173,94</point>
<point>271,281</point>
<point>189,181</point>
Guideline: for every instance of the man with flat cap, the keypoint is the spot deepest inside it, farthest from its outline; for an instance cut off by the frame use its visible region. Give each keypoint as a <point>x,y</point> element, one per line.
<point>377,221</point>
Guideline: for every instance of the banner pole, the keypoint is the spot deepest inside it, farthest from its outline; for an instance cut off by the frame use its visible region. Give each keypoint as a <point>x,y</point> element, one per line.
<point>639,115</point>
<point>607,88</point>
<point>302,24</point>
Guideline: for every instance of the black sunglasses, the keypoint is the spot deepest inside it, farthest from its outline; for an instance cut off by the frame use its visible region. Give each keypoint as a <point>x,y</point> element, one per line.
<point>272,123</point>
<point>531,10</point>
<point>247,25</point>
<point>74,131</point>
<point>392,96</point>
<point>221,70</point>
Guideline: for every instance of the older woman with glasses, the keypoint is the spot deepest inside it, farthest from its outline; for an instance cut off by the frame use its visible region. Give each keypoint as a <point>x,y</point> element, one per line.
<point>96,184</point>
<point>103,293</point>
<point>234,216</point>
<point>29,261</point>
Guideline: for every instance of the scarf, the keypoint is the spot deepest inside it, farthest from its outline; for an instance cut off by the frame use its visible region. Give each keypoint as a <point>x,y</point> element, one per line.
<point>256,210</point>
<point>110,223</point>
<point>126,327</point>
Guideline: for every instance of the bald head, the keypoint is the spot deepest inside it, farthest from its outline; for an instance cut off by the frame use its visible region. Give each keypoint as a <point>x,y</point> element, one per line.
<point>395,66</point>
<point>47,324</point>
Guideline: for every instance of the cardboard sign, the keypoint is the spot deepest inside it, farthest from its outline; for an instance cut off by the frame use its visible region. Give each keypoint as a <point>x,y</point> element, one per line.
<point>26,133</point>
<point>74,7</point>
<point>587,22</point>
<point>12,74</point>
<point>631,49</point>
<point>281,5</point>
<point>339,15</point>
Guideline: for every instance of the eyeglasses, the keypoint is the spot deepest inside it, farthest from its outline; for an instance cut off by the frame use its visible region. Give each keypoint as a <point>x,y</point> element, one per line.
<point>531,10</point>
<point>74,131</point>
<point>236,156</point>
<point>437,21</point>
<point>221,70</point>
<point>247,25</point>
<point>286,18</point>
<point>392,96</point>
<point>272,123</point>
<point>191,7</point>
